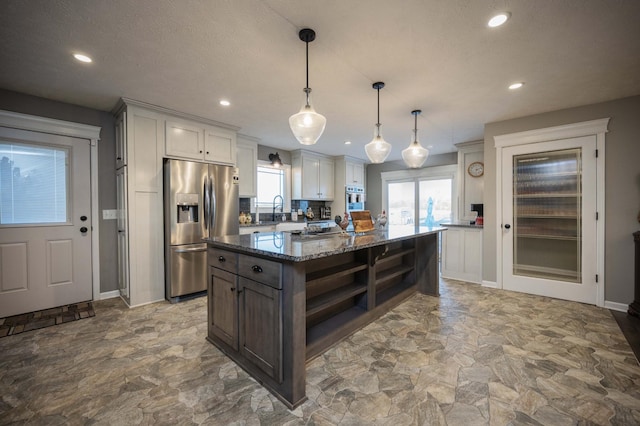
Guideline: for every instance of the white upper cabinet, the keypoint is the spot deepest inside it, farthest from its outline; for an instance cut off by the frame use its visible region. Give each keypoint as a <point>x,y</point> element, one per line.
<point>219,146</point>
<point>354,173</point>
<point>184,140</point>
<point>199,142</point>
<point>313,176</point>
<point>247,162</point>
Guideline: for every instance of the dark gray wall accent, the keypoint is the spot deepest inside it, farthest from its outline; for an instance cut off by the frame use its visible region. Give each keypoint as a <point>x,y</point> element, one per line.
<point>622,185</point>
<point>264,151</point>
<point>374,178</point>
<point>27,104</point>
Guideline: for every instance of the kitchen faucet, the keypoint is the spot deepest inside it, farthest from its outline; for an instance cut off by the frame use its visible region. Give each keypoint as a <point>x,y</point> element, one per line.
<point>276,206</point>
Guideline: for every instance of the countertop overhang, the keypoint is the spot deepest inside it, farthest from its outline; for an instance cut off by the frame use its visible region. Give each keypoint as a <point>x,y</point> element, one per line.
<point>299,247</point>
<point>461,224</point>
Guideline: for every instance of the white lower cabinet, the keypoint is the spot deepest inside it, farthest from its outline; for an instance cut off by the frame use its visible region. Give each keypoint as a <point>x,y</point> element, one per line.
<point>253,229</point>
<point>462,254</point>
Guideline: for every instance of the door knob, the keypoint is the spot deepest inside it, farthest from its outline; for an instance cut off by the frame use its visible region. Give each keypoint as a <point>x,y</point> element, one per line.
<point>83,218</point>
<point>83,229</point>
<point>507,226</point>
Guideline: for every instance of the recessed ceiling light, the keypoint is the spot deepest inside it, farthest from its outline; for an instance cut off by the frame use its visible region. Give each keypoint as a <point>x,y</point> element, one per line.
<point>515,86</point>
<point>499,19</point>
<point>347,142</point>
<point>82,58</point>
<point>225,102</point>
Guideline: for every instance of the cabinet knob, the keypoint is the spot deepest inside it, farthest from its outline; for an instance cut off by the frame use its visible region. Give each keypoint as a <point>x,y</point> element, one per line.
<point>256,268</point>
<point>221,259</point>
<point>200,151</point>
<point>118,158</point>
<point>207,152</point>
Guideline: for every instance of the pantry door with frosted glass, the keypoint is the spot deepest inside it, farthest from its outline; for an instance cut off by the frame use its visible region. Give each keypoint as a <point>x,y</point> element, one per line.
<point>45,221</point>
<point>549,219</point>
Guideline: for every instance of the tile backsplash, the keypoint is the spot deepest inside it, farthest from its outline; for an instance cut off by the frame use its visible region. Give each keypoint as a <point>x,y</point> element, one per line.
<point>267,216</point>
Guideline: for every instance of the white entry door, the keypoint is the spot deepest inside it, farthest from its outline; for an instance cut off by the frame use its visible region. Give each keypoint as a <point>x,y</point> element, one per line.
<point>549,219</point>
<point>45,221</point>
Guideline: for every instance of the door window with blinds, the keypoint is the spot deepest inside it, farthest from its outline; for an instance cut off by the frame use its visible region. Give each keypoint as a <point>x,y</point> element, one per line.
<point>33,176</point>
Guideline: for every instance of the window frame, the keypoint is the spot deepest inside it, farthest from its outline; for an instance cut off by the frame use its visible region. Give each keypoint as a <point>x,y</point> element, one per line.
<point>427,173</point>
<point>286,169</point>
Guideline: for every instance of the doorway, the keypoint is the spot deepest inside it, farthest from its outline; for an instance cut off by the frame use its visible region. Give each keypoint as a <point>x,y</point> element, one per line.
<point>551,207</point>
<point>420,201</point>
<point>46,216</point>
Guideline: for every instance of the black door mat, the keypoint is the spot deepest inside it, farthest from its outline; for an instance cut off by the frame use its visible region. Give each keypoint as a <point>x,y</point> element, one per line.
<point>45,318</point>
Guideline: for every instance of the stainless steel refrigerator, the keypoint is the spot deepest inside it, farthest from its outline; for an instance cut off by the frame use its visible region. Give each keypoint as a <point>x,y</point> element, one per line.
<point>200,201</point>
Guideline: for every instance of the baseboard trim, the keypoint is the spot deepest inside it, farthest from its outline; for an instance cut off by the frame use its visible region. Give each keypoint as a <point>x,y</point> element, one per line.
<point>615,306</point>
<point>489,284</point>
<point>109,294</point>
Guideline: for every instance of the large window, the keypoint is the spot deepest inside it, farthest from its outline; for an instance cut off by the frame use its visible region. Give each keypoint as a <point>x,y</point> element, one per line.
<point>273,182</point>
<point>425,197</point>
<point>33,176</point>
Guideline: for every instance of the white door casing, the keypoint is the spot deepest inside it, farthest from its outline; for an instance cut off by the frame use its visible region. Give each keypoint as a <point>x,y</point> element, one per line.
<point>584,289</point>
<point>62,263</point>
<point>596,129</point>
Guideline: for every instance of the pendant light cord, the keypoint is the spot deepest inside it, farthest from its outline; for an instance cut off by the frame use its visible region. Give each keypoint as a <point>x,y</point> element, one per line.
<point>307,90</point>
<point>378,109</point>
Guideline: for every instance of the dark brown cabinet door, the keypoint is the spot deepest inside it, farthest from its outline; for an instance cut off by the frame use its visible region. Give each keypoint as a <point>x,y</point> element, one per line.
<point>261,326</point>
<point>223,306</point>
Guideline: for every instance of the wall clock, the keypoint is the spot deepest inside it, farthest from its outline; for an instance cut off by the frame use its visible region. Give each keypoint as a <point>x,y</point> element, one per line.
<point>476,169</point>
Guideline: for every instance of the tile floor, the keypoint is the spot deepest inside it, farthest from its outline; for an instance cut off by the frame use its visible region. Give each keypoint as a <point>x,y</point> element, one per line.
<point>472,356</point>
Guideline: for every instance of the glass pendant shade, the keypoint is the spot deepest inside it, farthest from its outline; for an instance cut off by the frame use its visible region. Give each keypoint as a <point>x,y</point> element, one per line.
<point>307,125</point>
<point>415,154</point>
<point>378,149</point>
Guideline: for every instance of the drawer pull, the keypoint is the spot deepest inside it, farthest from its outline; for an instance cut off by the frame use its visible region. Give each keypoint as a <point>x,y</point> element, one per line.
<point>221,259</point>
<point>256,268</point>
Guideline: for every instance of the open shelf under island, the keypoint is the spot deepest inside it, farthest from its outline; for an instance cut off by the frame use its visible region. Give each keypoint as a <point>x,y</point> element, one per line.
<point>277,300</point>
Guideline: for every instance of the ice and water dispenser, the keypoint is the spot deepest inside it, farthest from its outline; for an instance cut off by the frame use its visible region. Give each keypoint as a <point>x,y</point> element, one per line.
<point>187,206</point>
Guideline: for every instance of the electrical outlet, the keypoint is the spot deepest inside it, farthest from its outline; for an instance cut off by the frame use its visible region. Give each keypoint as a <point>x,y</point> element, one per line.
<point>109,214</point>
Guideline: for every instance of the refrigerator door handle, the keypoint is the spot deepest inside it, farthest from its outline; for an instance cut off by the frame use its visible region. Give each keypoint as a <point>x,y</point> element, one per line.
<point>212,214</point>
<point>205,193</point>
<point>191,250</point>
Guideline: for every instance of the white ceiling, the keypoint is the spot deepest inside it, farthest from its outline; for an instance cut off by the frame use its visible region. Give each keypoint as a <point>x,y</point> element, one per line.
<point>434,55</point>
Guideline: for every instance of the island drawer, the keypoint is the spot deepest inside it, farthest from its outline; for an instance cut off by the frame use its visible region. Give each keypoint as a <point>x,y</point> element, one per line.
<point>223,259</point>
<point>260,270</point>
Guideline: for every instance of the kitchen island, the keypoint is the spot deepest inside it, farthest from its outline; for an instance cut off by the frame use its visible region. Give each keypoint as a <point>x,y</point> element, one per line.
<point>279,299</point>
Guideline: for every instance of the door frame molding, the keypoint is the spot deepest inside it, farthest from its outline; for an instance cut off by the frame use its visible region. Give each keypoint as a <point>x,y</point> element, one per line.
<point>598,128</point>
<point>34,123</point>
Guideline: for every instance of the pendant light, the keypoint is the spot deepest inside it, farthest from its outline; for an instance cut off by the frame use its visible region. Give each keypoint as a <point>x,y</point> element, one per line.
<point>307,125</point>
<point>378,149</point>
<point>415,154</point>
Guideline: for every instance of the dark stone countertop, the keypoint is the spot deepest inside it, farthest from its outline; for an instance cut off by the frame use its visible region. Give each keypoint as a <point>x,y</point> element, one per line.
<point>300,247</point>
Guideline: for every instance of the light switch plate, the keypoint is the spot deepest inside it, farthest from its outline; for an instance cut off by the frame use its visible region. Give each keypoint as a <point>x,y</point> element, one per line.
<point>109,214</point>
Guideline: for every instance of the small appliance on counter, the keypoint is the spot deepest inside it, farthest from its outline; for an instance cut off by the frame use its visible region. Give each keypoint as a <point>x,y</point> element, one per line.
<point>325,212</point>
<point>479,210</point>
